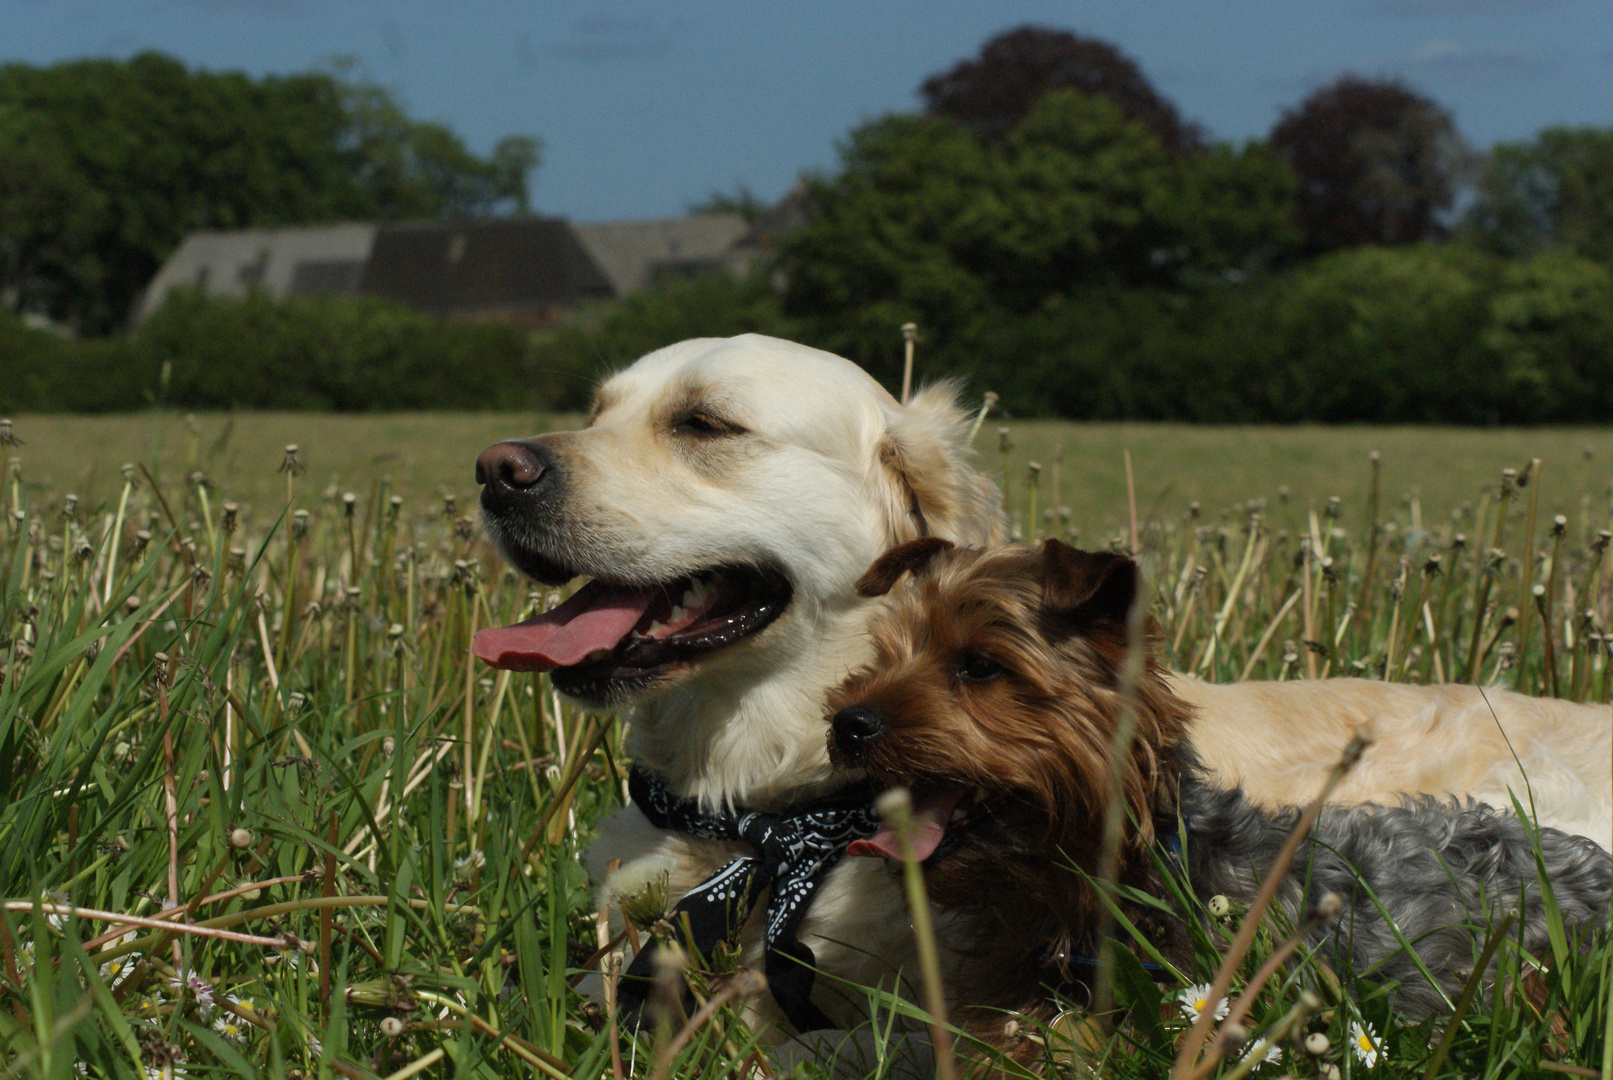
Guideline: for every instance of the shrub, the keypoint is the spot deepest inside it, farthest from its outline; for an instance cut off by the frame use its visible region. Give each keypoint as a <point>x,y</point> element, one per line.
<point>1426,334</point>
<point>342,353</point>
<point>44,372</point>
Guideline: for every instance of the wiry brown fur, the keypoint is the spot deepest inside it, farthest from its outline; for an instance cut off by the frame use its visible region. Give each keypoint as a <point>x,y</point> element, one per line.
<point>1038,738</point>
<point>997,672</point>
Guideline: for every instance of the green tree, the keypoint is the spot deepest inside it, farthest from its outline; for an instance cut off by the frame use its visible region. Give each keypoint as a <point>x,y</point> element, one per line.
<point>412,169</point>
<point>1551,333</point>
<point>742,201</point>
<point>926,222</point>
<point>1387,335</point>
<point>105,166</point>
<point>1555,191</point>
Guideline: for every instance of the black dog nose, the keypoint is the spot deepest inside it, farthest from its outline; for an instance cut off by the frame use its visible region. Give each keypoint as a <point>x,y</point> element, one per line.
<point>857,728</point>
<point>509,467</point>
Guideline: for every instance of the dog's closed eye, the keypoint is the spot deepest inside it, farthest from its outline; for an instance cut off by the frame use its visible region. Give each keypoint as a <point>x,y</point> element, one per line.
<point>974,667</point>
<point>705,425</point>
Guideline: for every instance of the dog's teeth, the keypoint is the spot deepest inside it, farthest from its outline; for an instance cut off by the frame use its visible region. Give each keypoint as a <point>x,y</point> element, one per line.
<point>596,656</point>
<point>958,815</point>
<point>676,614</point>
<point>695,595</point>
<point>979,796</point>
<point>655,628</point>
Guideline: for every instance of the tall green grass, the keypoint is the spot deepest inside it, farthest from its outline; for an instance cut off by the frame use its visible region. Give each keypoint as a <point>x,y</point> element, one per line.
<point>270,720</point>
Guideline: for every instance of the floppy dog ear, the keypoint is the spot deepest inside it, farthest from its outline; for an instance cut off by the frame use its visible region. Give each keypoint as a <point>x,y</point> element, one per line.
<point>1091,583</point>
<point>911,557</point>
<point>928,473</point>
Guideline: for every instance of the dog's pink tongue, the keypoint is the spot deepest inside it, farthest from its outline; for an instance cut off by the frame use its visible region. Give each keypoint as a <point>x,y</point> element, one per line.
<point>596,617</point>
<point>932,809</point>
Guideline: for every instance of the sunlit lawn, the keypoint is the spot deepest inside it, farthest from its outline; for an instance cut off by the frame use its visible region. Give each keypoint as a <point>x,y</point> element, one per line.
<point>427,455</point>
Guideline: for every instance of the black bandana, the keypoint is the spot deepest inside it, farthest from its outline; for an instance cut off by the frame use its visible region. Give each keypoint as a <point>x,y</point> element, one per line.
<point>797,849</point>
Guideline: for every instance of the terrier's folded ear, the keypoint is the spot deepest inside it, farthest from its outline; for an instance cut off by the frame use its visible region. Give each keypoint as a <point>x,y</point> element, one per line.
<point>912,557</point>
<point>1087,584</point>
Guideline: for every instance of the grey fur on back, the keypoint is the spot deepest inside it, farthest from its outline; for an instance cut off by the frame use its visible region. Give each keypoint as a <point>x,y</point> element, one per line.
<point>1443,871</point>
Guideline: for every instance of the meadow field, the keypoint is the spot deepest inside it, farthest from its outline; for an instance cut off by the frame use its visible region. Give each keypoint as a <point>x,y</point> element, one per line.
<point>261,814</point>
<point>425,455</point>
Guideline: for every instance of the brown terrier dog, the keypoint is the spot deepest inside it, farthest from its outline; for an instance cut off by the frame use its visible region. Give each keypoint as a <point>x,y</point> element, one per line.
<point>995,696</point>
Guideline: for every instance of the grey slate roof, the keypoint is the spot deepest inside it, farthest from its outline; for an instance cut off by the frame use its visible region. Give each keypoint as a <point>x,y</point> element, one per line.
<point>634,254</point>
<point>282,262</point>
<point>525,268</point>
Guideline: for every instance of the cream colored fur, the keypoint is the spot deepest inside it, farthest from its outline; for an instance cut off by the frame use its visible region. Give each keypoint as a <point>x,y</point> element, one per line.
<point>833,471</point>
<point>1276,740</point>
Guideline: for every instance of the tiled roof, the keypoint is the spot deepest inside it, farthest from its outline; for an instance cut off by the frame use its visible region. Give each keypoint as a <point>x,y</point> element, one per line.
<point>634,253</point>
<point>525,266</point>
<point>482,267</point>
<point>278,261</point>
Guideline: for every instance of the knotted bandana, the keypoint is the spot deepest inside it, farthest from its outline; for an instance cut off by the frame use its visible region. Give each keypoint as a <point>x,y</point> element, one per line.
<point>796,850</point>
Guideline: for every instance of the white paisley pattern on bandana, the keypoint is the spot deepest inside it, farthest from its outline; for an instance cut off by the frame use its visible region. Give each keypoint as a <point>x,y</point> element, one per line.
<point>796,850</point>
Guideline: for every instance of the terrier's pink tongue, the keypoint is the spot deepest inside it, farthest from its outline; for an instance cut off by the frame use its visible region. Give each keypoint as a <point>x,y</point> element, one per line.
<point>596,617</point>
<point>932,809</point>
<point>927,837</point>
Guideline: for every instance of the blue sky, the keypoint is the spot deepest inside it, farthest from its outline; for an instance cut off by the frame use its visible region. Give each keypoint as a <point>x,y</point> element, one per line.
<point>646,107</point>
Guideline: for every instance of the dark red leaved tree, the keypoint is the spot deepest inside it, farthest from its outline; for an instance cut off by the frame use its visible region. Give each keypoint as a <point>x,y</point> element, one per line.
<point>1377,163</point>
<point>990,93</point>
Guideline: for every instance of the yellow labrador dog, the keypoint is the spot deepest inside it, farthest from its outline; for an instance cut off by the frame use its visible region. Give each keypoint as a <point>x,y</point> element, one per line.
<point>724,498</point>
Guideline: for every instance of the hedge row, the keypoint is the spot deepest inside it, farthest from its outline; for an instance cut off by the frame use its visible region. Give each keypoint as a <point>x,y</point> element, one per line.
<point>1434,334</point>
<point>1440,334</point>
<point>329,353</point>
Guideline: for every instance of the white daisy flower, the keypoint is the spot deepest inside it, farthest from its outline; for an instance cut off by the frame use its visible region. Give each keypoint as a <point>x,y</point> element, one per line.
<point>1196,998</point>
<point>115,971</point>
<point>291,959</point>
<point>148,1005</point>
<point>230,1026</point>
<point>1365,1042</point>
<point>1272,1056</point>
<point>199,989</point>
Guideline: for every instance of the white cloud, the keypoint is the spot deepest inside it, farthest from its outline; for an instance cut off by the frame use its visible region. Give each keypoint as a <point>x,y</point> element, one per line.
<point>610,37</point>
<point>1443,59</point>
<point>1464,7</point>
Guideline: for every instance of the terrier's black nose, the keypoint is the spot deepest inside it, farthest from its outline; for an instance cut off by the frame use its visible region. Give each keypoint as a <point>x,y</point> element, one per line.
<point>857,728</point>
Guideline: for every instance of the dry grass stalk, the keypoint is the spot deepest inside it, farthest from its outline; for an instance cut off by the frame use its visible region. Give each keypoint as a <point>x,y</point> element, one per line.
<point>896,806</point>
<point>1188,1066</point>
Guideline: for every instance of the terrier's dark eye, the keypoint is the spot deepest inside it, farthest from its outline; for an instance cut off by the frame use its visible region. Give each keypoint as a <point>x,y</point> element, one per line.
<point>976,667</point>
